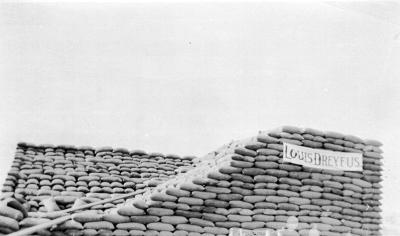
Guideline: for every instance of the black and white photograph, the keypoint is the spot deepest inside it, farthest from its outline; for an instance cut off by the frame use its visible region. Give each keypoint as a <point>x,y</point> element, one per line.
<point>199,118</point>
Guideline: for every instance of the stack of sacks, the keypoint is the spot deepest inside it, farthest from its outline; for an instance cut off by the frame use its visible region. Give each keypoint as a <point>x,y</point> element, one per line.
<point>248,186</point>
<point>68,173</point>
<point>11,213</point>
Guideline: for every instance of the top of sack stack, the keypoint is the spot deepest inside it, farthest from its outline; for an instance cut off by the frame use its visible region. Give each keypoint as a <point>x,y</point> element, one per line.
<point>67,173</point>
<point>346,140</point>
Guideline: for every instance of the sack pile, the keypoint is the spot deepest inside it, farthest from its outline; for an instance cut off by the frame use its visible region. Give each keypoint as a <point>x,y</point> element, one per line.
<point>71,175</point>
<point>247,185</point>
<point>11,213</point>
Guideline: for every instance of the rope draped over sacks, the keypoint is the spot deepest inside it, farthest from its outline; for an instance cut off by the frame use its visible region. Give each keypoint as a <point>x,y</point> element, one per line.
<point>246,184</point>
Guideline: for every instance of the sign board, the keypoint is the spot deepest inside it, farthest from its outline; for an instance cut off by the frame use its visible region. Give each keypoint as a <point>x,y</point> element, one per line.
<point>322,159</point>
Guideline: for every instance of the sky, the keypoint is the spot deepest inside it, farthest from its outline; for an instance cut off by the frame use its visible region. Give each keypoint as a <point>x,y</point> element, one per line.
<point>186,78</point>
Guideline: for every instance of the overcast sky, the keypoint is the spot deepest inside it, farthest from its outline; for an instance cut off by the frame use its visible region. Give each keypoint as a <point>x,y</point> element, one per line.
<point>188,78</point>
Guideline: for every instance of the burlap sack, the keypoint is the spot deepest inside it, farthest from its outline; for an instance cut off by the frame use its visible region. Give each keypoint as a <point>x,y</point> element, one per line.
<point>99,225</point>
<point>239,218</point>
<point>160,226</point>
<point>190,228</point>
<point>131,226</point>
<point>191,201</point>
<point>201,222</point>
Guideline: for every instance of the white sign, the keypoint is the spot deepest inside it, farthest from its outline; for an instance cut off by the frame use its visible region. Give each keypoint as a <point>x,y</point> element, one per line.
<point>322,159</point>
